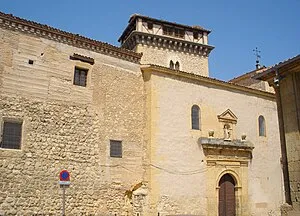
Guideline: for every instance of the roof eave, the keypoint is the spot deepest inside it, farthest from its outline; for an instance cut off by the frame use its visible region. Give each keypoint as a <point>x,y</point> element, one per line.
<point>208,80</point>
<point>133,18</point>
<point>270,73</point>
<point>8,21</point>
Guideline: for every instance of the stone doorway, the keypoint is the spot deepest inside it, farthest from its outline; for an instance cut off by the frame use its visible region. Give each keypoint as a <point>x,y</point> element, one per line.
<point>227,196</point>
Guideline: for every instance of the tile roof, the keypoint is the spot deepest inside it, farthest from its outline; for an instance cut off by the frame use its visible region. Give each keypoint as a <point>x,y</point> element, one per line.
<point>248,74</point>
<point>11,22</point>
<point>270,72</point>
<point>197,27</point>
<point>135,16</point>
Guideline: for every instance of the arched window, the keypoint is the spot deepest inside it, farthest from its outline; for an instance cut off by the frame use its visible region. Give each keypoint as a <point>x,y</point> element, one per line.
<point>195,117</point>
<point>177,66</point>
<point>261,126</point>
<point>171,64</point>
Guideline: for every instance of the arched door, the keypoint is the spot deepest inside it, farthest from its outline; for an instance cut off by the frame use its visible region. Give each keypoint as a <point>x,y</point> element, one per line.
<point>226,196</point>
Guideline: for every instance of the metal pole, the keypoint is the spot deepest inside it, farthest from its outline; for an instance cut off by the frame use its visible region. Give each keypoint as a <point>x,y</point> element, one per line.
<point>63,199</point>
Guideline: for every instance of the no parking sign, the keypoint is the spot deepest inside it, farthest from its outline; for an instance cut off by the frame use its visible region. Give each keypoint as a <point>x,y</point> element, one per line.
<point>64,182</point>
<point>64,177</point>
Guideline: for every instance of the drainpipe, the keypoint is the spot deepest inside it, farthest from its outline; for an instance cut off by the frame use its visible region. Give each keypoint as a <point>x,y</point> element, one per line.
<point>285,169</point>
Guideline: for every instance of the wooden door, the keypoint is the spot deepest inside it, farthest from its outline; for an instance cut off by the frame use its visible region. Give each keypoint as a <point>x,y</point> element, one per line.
<point>226,196</point>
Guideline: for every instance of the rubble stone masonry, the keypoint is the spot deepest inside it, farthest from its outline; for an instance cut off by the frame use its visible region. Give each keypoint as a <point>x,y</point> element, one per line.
<point>68,127</point>
<point>290,106</point>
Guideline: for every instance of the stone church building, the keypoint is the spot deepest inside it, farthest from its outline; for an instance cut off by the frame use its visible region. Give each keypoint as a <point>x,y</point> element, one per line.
<point>142,128</point>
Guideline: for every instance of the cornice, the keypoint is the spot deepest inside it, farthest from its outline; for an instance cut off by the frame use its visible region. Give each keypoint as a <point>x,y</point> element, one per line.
<point>156,68</point>
<point>11,22</point>
<point>217,143</point>
<point>166,42</point>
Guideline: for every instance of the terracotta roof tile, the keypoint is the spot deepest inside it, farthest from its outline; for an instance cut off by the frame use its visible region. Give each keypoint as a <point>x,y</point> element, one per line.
<point>248,74</point>
<point>268,73</point>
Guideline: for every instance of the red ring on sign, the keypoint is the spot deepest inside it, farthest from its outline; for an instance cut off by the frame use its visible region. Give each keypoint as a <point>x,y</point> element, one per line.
<point>64,175</point>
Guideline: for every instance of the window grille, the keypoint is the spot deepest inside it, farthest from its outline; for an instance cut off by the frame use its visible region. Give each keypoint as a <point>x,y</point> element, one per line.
<point>115,148</point>
<point>179,33</point>
<point>174,32</point>
<point>12,134</point>
<point>80,76</point>
<point>168,30</point>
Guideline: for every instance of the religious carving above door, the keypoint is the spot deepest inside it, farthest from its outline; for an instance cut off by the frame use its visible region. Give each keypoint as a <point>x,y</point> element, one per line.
<point>228,121</point>
<point>227,147</point>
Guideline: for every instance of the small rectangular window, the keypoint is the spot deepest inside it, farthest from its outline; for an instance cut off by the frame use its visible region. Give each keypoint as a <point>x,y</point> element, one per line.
<point>11,135</point>
<point>174,32</point>
<point>80,76</point>
<point>168,30</point>
<point>179,33</point>
<point>150,25</point>
<point>115,148</point>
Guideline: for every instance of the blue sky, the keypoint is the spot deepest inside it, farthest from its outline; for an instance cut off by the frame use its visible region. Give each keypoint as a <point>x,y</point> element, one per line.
<point>238,26</point>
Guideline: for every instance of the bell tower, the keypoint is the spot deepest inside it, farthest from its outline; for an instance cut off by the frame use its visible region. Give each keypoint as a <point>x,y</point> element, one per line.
<point>168,44</point>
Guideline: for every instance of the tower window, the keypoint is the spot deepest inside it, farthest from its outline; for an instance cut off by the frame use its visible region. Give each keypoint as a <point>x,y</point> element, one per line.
<point>261,126</point>
<point>168,30</point>
<point>150,25</point>
<point>12,134</point>
<point>196,35</point>
<point>171,66</point>
<point>195,117</point>
<point>177,66</point>
<point>179,33</point>
<point>80,76</point>
<point>175,32</point>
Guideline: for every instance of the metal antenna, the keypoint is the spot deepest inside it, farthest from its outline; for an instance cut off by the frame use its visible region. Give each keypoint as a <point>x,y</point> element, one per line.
<point>256,53</point>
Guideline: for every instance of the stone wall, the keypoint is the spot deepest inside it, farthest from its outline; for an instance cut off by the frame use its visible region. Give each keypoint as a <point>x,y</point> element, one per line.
<point>162,56</point>
<point>181,180</point>
<point>163,168</point>
<point>68,127</point>
<point>256,84</point>
<point>290,93</point>
<point>248,80</point>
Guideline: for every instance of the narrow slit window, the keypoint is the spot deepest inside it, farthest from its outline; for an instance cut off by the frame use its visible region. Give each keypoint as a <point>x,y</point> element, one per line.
<point>261,126</point>
<point>177,66</point>
<point>195,117</point>
<point>171,66</point>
